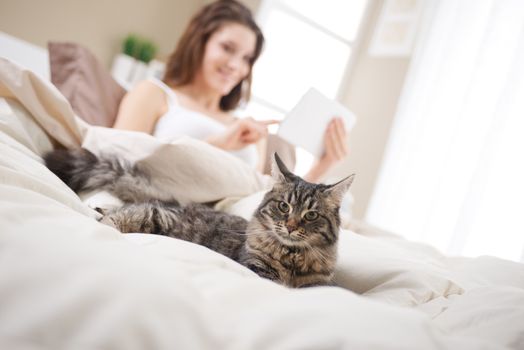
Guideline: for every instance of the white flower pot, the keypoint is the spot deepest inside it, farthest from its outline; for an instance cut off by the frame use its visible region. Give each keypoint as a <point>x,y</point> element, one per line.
<point>139,72</point>
<point>156,69</point>
<point>127,71</point>
<point>122,69</point>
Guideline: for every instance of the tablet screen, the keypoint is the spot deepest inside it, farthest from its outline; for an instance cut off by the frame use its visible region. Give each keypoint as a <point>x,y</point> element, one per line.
<point>305,124</point>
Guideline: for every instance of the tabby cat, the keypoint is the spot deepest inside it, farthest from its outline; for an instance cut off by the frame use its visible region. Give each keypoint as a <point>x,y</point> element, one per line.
<point>291,239</point>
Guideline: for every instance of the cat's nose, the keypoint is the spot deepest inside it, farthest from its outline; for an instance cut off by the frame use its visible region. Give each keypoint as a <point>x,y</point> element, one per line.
<point>291,225</point>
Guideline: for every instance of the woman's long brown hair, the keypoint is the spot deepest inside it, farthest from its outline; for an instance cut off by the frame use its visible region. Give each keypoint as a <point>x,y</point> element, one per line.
<point>185,61</point>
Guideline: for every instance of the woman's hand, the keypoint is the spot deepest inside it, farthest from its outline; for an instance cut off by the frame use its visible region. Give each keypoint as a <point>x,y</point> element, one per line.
<point>336,149</point>
<point>241,133</point>
<point>335,142</point>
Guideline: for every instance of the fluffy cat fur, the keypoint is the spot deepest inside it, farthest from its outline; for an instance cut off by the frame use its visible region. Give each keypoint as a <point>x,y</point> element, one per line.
<point>291,238</point>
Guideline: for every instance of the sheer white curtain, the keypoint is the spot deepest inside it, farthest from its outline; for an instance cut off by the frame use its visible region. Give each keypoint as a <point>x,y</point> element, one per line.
<point>453,173</point>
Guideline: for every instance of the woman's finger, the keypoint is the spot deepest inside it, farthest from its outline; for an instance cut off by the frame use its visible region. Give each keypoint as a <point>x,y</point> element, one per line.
<point>342,137</point>
<point>251,135</point>
<point>328,145</point>
<point>270,122</point>
<point>250,126</point>
<point>340,128</point>
<point>259,126</point>
<point>331,148</point>
<point>337,143</point>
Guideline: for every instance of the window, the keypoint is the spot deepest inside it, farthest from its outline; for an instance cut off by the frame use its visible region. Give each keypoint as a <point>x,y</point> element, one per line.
<point>453,168</point>
<point>308,44</point>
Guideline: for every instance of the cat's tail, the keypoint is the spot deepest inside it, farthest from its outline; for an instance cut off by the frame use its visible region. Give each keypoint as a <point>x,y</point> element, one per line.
<point>78,168</point>
<point>82,170</point>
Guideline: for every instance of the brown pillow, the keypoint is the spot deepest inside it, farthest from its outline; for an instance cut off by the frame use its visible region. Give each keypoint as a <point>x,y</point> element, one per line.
<point>87,85</point>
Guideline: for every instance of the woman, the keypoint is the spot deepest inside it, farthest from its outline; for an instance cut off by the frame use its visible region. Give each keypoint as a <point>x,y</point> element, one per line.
<point>206,78</point>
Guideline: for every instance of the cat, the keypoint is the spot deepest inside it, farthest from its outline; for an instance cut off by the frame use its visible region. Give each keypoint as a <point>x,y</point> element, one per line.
<point>291,238</point>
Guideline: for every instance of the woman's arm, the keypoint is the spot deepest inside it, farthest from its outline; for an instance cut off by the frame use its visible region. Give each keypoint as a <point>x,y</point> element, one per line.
<point>336,150</point>
<point>262,154</point>
<point>141,107</point>
<point>241,133</point>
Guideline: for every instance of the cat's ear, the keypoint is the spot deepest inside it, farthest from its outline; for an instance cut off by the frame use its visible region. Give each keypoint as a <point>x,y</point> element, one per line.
<point>339,189</point>
<point>279,171</point>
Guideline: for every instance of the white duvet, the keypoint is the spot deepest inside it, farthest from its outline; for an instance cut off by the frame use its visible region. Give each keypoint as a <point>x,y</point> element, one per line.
<point>68,282</point>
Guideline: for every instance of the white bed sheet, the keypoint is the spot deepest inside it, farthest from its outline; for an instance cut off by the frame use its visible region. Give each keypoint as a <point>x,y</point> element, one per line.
<point>67,281</point>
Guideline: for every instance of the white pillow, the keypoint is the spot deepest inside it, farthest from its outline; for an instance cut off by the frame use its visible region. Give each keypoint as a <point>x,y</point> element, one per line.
<point>21,167</point>
<point>192,170</point>
<point>393,270</point>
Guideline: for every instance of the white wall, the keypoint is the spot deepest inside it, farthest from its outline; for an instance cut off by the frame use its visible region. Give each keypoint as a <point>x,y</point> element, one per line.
<point>99,25</point>
<point>371,91</point>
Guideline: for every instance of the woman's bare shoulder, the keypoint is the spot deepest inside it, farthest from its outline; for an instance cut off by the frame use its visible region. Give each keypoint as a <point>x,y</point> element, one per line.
<point>141,107</point>
<point>149,96</point>
<point>147,88</point>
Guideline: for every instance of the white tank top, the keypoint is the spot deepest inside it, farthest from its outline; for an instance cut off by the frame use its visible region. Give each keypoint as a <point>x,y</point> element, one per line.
<point>179,121</point>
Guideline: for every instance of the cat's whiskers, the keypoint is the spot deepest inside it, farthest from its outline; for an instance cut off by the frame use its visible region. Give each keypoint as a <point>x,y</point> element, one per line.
<point>318,255</point>
<point>240,232</point>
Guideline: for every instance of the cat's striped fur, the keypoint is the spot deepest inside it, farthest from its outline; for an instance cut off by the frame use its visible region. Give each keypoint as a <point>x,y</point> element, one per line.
<point>291,239</point>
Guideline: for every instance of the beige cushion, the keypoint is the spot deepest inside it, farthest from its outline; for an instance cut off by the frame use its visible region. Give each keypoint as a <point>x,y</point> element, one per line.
<point>87,85</point>
<point>285,150</point>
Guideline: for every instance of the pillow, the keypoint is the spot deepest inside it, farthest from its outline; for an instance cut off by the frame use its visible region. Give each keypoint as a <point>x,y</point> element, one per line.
<point>188,169</point>
<point>393,270</point>
<point>85,83</point>
<point>285,150</point>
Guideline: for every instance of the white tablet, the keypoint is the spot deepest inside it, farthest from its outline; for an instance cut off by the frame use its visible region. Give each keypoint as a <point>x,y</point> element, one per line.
<point>305,124</point>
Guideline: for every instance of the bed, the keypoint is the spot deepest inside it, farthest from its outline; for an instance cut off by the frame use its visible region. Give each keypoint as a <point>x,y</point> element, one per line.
<point>70,282</point>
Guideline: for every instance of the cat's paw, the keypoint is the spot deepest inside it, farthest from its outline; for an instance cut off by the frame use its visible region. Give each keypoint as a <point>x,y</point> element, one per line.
<point>100,210</point>
<point>106,220</point>
<point>318,284</point>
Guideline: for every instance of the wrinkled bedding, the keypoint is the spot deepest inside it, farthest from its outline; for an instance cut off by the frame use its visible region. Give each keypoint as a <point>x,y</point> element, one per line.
<point>67,281</point>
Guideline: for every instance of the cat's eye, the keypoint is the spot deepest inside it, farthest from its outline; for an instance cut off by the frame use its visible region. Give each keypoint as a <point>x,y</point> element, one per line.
<point>283,206</point>
<point>311,215</point>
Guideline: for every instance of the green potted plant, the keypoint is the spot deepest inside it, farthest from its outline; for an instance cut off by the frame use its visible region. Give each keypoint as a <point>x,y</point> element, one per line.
<point>146,51</point>
<point>132,64</point>
<point>131,45</point>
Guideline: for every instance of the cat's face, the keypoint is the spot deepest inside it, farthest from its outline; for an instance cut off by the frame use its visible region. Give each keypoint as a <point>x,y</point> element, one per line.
<point>300,213</point>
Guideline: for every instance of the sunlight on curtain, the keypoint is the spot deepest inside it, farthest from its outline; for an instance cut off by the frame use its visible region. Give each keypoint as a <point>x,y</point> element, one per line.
<point>453,173</point>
